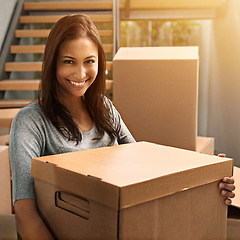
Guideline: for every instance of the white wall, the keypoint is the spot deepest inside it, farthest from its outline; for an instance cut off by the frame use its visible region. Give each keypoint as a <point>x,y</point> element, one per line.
<point>6,10</point>
<point>223,112</point>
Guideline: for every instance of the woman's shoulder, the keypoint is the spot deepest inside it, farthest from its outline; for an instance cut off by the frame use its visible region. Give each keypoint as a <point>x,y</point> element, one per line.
<point>31,111</point>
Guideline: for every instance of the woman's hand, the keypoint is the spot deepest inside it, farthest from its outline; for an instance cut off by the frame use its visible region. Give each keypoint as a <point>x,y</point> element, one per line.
<point>227,186</point>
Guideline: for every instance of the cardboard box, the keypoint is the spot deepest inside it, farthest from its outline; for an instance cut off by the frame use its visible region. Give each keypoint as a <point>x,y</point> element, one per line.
<point>132,191</point>
<point>156,89</point>
<point>6,116</point>
<point>4,140</point>
<point>8,227</point>
<point>205,145</point>
<point>233,222</point>
<point>5,183</point>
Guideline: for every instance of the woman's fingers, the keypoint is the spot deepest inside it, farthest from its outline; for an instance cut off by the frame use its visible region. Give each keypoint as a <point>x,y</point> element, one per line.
<point>228,201</point>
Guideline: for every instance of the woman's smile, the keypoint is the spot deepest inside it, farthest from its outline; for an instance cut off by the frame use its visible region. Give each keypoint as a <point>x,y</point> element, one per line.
<point>77,84</point>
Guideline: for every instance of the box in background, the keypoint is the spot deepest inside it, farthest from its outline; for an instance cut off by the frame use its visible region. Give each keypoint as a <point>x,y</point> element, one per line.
<point>8,227</point>
<point>132,191</point>
<point>233,223</point>
<point>5,182</point>
<point>4,140</point>
<point>205,145</point>
<point>156,90</point>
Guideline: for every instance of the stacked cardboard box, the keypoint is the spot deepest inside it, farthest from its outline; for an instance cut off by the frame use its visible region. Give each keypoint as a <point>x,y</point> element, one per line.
<point>132,191</point>
<point>5,184</point>
<point>7,219</point>
<point>8,227</point>
<point>156,90</point>
<point>233,224</point>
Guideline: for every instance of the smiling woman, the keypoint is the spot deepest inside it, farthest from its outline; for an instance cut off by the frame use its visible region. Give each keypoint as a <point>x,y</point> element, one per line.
<point>72,113</point>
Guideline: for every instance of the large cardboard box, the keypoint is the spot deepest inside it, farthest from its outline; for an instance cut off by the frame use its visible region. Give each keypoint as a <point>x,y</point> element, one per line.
<point>132,191</point>
<point>5,183</point>
<point>4,140</point>
<point>233,223</point>
<point>156,89</point>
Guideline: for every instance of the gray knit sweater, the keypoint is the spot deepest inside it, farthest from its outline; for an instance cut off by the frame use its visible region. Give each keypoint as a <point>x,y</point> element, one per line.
<point>33,135</point>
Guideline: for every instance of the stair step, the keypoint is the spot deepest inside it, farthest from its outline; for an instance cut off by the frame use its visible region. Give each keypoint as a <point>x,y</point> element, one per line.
<point>14,103</point>
<point>23,66</point>
<point>6,117</point>
<point>108,48</point>
<point>33,66</point>
<point>19,84</point>
<point>27,48</point>
<point>109,84</point>
<point>175,4</point>
<point>31,84</point>
<point>54,18</point>
<point>44,33</point>
<point>69,5</point>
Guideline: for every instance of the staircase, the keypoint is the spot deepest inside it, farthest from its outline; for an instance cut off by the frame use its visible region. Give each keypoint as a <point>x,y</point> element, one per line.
<point>37,22</point>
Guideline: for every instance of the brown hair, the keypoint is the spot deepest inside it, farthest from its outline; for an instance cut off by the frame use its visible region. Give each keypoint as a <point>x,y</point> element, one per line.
<point>68,28</point>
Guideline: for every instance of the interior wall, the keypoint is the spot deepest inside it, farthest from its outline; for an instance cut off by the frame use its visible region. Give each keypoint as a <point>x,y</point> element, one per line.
<point>224,83</point>
<point>6,11</point>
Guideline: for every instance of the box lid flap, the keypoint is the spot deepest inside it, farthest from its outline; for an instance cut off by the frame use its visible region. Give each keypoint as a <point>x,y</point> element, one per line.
<point>133,173</point>
<point>157,53</point>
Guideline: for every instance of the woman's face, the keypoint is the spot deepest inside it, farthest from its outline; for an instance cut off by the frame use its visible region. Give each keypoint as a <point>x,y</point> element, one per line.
<point>77,67</point>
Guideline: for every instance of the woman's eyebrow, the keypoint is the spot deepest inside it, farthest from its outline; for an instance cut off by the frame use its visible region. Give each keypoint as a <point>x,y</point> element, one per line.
<point>68,57</point>
<point>92,56</point>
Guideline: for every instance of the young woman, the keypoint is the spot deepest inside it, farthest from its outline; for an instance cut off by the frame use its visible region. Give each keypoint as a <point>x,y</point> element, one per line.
<point>72,114</point>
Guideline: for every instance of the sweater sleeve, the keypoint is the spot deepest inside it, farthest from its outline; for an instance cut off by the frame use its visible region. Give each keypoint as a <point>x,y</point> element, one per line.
<point>26,142</point>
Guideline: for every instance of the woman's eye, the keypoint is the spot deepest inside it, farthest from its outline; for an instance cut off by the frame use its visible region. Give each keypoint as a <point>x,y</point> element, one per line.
<point>68,61</point>
<point>90,61</point>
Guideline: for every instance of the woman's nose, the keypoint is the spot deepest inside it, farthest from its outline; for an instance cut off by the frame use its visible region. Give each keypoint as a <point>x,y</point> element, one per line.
<point>80,73</point>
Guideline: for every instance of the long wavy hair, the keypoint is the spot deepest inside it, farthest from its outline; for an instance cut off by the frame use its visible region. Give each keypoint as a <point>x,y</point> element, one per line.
<point>68,28</point>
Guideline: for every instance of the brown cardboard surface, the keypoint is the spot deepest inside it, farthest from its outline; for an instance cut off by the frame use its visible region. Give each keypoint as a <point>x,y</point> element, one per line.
<point>6,116</point>
<point>159,171</point>
<point>233,229</point>
<point>236,175</point>
<point>5,186</point>
<point>119,192</point>
<point>155,91</point>
<point>205,145</point>
<point>7,227</point>
<point>233,222</point>
<point>184,215</point>
<point>4,140</point>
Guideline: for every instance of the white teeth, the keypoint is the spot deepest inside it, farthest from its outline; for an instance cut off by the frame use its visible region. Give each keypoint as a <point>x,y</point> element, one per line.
<point>77,84</point>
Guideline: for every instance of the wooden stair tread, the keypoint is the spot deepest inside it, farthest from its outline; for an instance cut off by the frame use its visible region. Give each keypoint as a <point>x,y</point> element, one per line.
<point>108,48</point>
<point>31,84</point>
<point>175,4</point>
<point>109,84</point>
<point>14,103</point>
<point>54,18</point>
<point>43,33</point>
<point>19,84</point>
<point>33,66</point>
<point>6,117</point>
<point>69,5</point>
<point>23,66</point>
